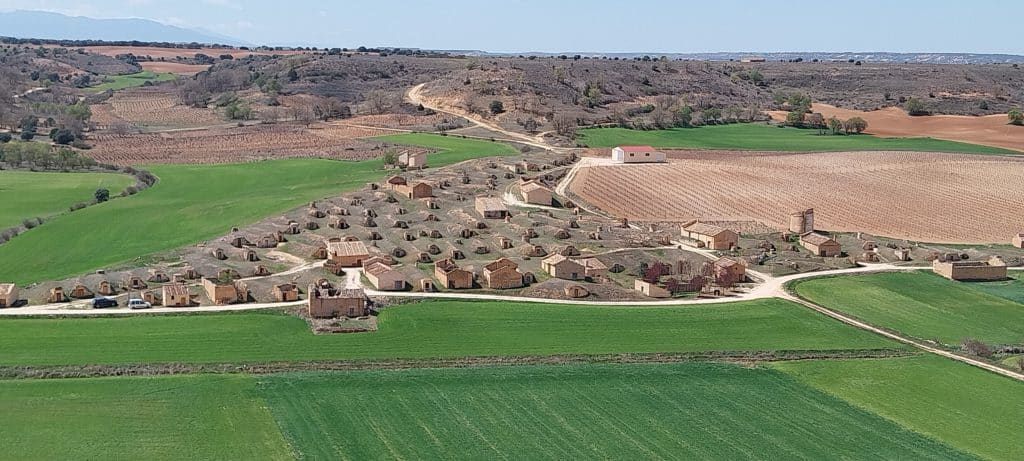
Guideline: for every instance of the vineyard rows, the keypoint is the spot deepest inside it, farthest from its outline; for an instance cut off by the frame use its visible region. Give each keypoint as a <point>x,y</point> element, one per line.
<point>918,196</point>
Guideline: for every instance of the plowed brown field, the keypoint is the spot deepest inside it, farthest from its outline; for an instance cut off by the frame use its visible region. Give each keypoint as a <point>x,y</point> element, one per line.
<point>228,145</point>
<point>941,198</point>
<point>175,67</point>
<point>893,122</point>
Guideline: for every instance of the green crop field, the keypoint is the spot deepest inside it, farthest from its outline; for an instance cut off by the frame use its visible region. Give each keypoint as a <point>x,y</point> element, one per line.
<point>921,304</point>
<point>182,417</point>
<point>192,203</point>
<point>27,194</point>
<point>450,149</point>
<point>968,408</point>
<point>189,204</point>
<point>120,82</point>
<point>679,411</point>
<point>430,330</point>
<point>751,136</point>
<point>1012,289</point>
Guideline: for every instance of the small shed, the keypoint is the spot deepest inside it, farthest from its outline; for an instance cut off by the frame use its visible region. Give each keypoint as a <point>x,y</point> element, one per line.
<point>713,237</point>
<point>491,208</point>
<point>561,267</point>
<point>285,292</point>
<point>8,294</point>
<point>384,277</point>
<point>576,291</point>
<point>1018,240</point>
<point>176,295</point>
<point>347,254</point>
<point>536,193</point>
<point>650,290</point>
<point>502,274</point>
<point>821,245</point>
<point>451,276</point>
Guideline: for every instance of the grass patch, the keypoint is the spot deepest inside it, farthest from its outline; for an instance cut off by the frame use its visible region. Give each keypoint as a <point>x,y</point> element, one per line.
<point>450,149</point>
<point>434,329</point>
<point>678,411</point>
<point>921,304</point>
<point>28,194</point>
<point>182,417</point>
<point>120,82</point>
<point>968,408</point>
<point>1012,289</point>
<point>756,136</point>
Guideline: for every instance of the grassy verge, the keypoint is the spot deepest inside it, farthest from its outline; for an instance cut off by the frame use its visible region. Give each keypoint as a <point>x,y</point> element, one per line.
<point>120,82</point>
<point>756,136</point>
<point>921,304</point>
<point>27,194</point>
<point>450,149</point>
<point>184,417</point>
<point>968,408</point>
<point>436,329</point>
<point>681,411</point>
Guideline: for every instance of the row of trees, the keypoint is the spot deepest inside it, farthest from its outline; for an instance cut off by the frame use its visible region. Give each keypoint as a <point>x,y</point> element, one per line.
<point>42,156</point>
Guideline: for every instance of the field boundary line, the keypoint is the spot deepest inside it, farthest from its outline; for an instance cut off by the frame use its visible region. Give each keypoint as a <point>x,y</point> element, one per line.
<point>173,368</point>
<point>901,338</point>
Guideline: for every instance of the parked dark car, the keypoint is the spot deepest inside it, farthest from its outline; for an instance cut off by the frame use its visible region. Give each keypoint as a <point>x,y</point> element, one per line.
<point>100,303</point>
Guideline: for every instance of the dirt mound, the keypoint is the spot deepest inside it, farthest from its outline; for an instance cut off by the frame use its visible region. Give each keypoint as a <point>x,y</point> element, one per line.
<point>942,198</point>
<point>893,122</point>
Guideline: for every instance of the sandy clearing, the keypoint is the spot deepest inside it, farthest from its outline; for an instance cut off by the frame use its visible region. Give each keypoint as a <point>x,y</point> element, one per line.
<point>893,122</point>
<point>940,198</point>
<point>174,67</point>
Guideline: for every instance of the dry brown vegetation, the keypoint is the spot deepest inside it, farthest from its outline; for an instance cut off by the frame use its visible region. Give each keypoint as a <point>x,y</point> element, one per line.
<point>948,198</point>
<point>235,144</point>
<point>151,107</point>
<point>175,67</point>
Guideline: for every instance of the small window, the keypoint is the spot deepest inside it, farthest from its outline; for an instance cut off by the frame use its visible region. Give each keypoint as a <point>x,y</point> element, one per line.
<point>648,154</point>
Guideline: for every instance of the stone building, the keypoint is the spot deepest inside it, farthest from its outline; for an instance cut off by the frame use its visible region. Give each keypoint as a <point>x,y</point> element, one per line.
<point>451,276</point>
<point>347,254</point>
<point>637,154</point>
<point>176,295</point>
<point>491,207</point>
<point>325,301</point>
<point>801,222</point>
<point>971,271</point>
<point>502,274</point>
<point>713,237</point>
<point>561,267</point>
<point>821,245</point>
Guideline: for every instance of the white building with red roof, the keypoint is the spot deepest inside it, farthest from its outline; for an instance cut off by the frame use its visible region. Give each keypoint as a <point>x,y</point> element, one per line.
<point>637,154</point>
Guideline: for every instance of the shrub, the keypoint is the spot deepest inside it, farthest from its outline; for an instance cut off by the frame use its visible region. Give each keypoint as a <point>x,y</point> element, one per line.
<point>974,347</point>
<point>855,125</point>
<point>5,138</point>
<point>915,107</point>
<point>27,135</point>
<point>1016,117</point>
<point>497,107</point>
<point>101,195</point>
<point>77,206</point>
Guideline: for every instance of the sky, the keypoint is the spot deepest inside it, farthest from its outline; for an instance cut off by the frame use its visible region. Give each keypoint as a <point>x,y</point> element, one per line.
<point>666,26</point>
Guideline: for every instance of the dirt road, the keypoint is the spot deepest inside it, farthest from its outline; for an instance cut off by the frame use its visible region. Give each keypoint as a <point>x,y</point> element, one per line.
<point>415,95</point>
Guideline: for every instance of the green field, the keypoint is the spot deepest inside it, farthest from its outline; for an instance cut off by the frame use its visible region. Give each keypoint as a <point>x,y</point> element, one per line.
<point>750,136</point>
<point>1012,289</point>
<point>27,194</point>
<point>450,149</point>
<point>429,330</point>
<point>183,417</point>
<point>680,411</point>
<point>120,82</point>
<point>921,304</point>
<point>192,203</point>
<point>968,408</point>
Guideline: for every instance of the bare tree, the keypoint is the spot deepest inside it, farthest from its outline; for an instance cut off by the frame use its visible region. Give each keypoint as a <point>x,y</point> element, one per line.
<point>379,102</point>
<point>270,115</point>
<point>565,125</point>
<point>120,128</point>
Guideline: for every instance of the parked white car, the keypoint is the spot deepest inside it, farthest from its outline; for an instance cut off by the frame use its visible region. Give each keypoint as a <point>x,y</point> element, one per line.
<point>138,304</point>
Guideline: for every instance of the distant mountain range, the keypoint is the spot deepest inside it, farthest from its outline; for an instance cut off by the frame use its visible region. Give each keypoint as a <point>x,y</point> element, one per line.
<point>46,25</point>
